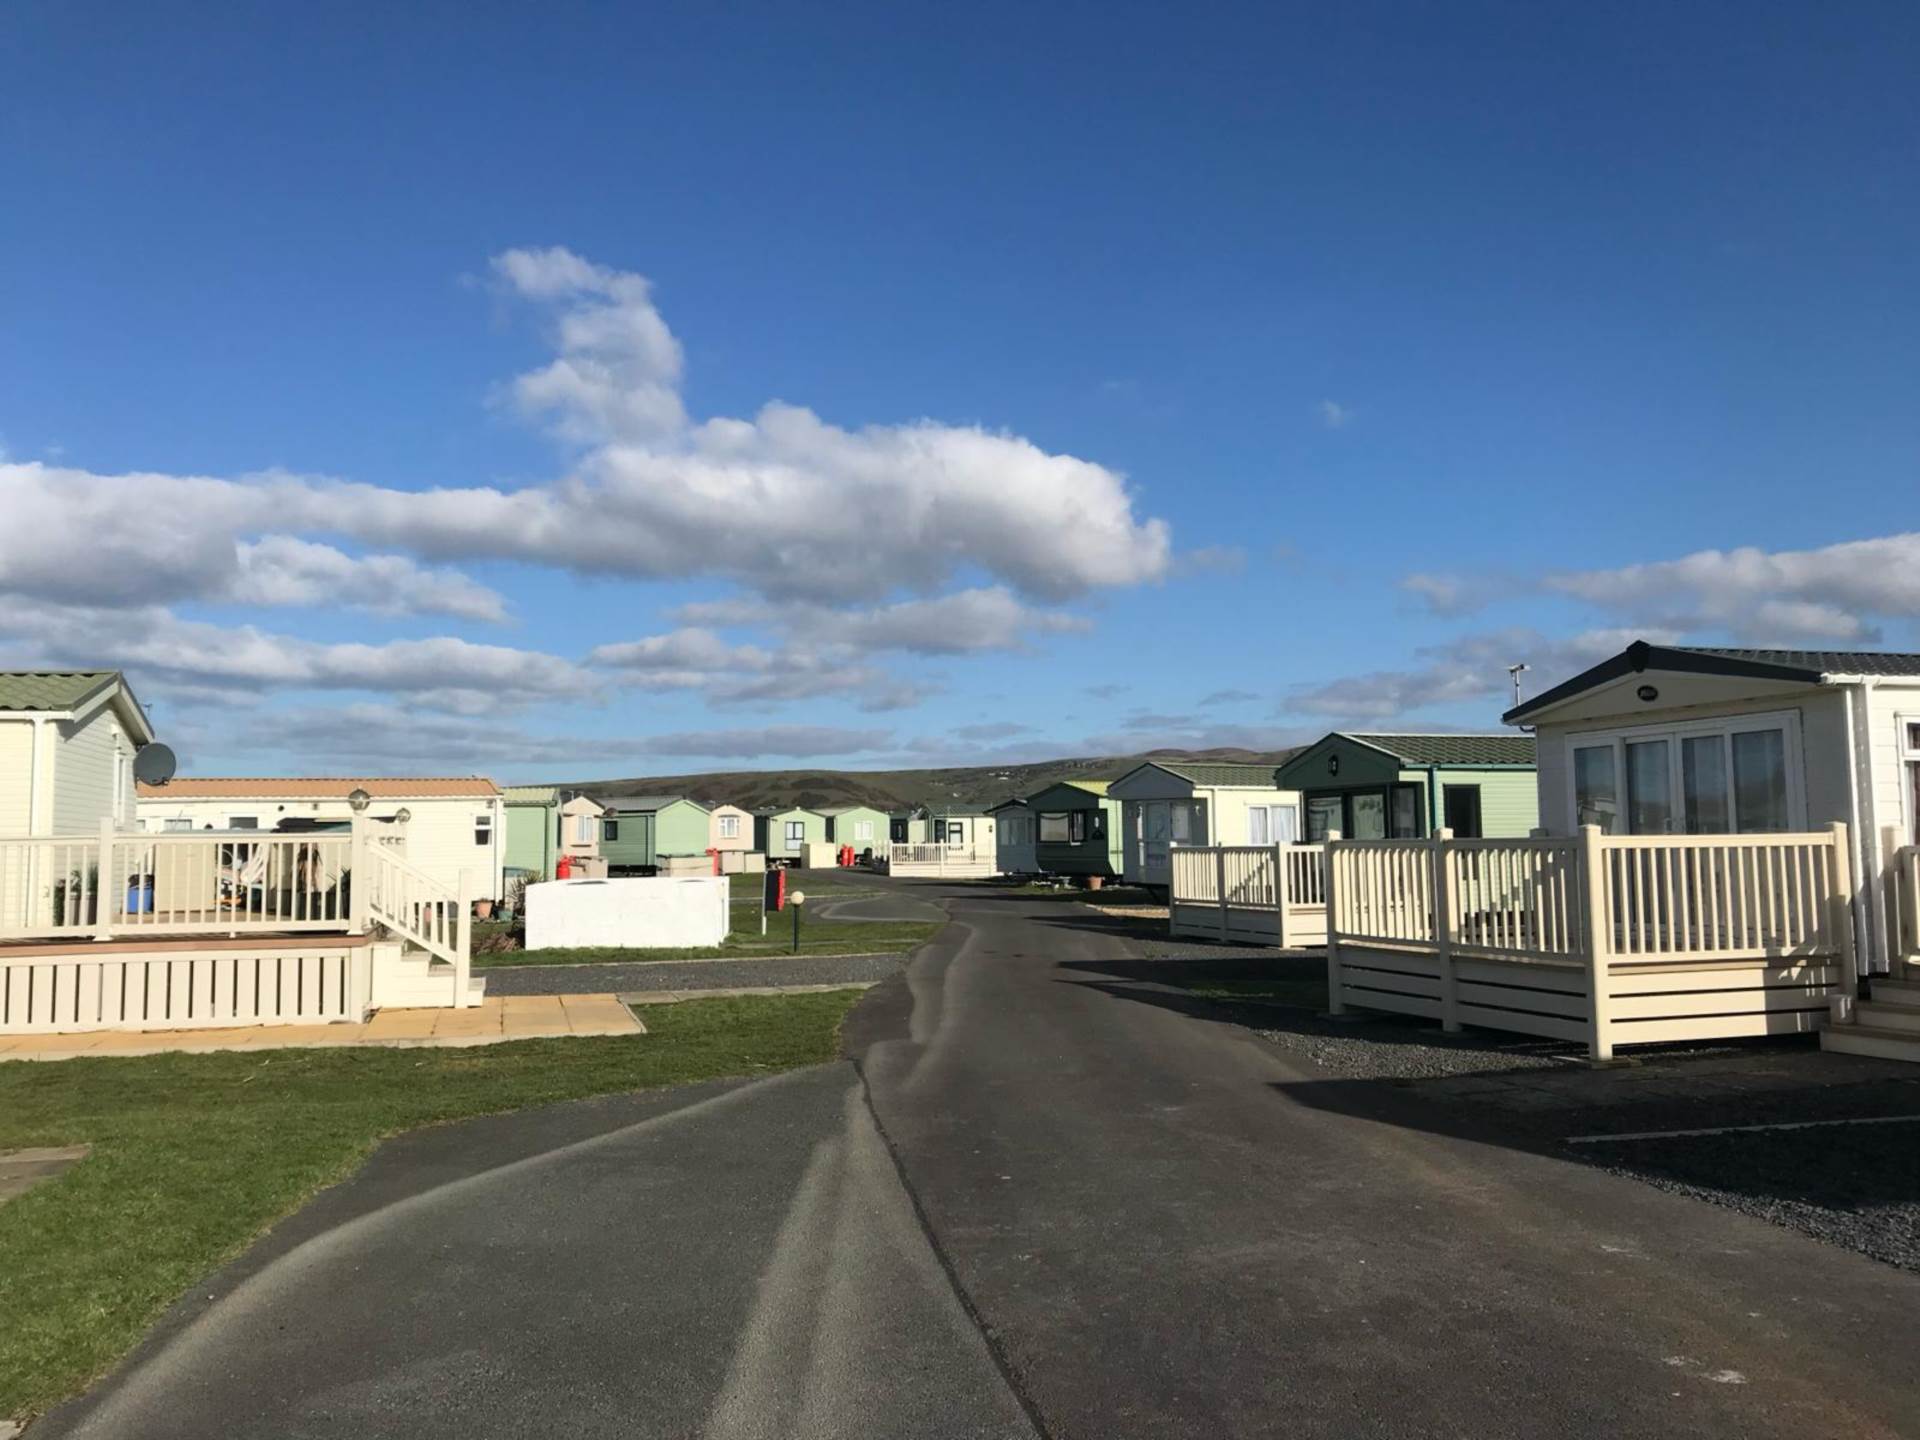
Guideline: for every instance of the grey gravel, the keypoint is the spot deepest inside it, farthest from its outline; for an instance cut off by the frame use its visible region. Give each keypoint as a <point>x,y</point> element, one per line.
<point>621,977</point>
<point>1856,1186</point>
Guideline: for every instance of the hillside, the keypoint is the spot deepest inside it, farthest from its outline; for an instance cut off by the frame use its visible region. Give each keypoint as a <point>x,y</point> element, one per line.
<point>894,789</point>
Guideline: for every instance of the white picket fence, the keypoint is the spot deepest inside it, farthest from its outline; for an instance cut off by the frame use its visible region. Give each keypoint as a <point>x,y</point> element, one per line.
<point>1260,894</point>
<point>1903,902</point>
<point>1610,939</point>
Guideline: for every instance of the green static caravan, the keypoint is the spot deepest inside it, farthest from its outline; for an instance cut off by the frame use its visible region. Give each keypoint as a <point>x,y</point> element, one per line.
<point>542,826</point>
<point>638,831</point>
<point>861,826</point>
<point>1402,787</point>
<point>1077,829</point>
<point>783,835</point>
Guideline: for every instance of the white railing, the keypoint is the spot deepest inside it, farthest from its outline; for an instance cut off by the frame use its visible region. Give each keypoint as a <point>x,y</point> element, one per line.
<point>1518,898</point>
<point>1713,897</point>
<point>1248,891</point>
<point>416,907</point>
<point>1609,906</point>
<point>1903,902</point>
<point>927,859</point>
<point>114,885</point>
<point>108,988</point>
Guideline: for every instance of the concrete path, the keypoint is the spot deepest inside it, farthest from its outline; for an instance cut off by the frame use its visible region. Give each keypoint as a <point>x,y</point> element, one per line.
<point>623,977</point>
<point>494,1021</point>
<point>1055,1206</point>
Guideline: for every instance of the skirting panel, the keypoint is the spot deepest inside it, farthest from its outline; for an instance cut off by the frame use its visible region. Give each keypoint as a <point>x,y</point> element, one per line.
<point>181,990</point>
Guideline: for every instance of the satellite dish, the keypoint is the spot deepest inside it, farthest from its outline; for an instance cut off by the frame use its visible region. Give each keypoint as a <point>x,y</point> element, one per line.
<point>153,764</point>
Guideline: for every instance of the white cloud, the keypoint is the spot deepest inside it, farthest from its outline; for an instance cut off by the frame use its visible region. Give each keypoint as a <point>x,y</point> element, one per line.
<point>285,570</point>
<point>1334,415</point>
<point>1471,668</point>
<point>1783,596</point>
<point>153,641</point>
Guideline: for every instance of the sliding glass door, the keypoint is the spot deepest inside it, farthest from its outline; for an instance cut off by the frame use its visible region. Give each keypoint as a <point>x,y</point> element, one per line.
<point>1734,777</point>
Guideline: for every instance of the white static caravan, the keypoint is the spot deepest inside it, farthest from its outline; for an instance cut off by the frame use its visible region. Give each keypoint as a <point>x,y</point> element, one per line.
<point>1684,741</point>
<point>1164,803</point>
<point>452,823</point>
<point>1015,840</point>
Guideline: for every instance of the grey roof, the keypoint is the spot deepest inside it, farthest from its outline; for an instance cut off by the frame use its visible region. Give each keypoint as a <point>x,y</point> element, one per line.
<point>1820,662</point>
<point>643,802</point>
<point>1464,750</point>
<point>51,689</point>
<point>1211,773</point>
<point>1806,667</point>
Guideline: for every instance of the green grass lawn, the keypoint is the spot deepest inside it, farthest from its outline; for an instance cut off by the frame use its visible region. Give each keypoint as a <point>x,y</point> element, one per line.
<point>817,937</point>
<point>195,1155</point>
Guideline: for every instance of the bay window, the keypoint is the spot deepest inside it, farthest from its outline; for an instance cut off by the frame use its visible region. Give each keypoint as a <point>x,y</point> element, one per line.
<point>1729,776</point>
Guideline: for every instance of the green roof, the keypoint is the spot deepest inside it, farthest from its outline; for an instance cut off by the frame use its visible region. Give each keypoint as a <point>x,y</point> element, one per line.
<point>1092,787</point>
<point>51,689</point>
<point>1207,773</point>
<point>1462,750</point>
<point>531,795</point>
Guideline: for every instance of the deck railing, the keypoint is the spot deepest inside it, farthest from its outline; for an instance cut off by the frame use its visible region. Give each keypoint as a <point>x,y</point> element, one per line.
<point>924,860</point>
<point>1903,901</point>
<point>121,885</point>
<point>1231,890</point>
<point>1608,905</point>
<point>114,885</point>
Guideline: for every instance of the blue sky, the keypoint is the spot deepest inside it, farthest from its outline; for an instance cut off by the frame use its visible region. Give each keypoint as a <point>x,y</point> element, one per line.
<point>557,391</point>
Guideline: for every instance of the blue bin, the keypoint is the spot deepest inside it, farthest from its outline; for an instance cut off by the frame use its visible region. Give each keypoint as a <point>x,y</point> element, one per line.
<point>140,897</point>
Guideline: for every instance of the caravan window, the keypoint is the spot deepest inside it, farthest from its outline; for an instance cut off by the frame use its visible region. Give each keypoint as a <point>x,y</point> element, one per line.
<point>1730,776</point>
<point>1054,827</point>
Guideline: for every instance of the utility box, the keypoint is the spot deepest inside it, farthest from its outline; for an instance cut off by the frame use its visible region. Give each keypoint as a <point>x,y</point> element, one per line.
<point>636,914</point>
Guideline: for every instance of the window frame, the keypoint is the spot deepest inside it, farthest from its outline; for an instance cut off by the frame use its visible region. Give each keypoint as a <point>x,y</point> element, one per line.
<point>1906,736</point>
<point>729,827</point>
<point>1675,732</point>
<point>483,830</point>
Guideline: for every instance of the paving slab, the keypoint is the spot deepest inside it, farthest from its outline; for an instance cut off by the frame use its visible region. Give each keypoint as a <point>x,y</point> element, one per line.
<point>496,1020</point>
<point>21,1170</point>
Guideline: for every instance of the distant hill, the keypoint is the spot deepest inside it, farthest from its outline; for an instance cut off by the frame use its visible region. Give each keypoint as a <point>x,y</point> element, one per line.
<point>897,789</point>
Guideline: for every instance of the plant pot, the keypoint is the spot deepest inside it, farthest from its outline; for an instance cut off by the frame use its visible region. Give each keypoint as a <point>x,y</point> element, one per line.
<point>483,909</point>
<point>1094,882</point>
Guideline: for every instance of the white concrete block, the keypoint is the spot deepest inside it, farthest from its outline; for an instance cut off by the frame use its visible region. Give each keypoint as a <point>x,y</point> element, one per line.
<point>638,914</point>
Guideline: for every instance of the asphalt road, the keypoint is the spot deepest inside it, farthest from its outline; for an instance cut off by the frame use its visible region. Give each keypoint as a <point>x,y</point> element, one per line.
<point>1039,1201</point>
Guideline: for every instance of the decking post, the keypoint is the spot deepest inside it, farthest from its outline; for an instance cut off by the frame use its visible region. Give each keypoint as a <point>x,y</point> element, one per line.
<point>102,894</point>
<point>360,878</point>
<point>463,942</point>
<point>1599,927</point>
<point>1445,907</point>
<point>1220,884</point>
<point>1281,897</point>
<point>1843,936</point>
<point>1893,904</point>
<point>1335,1005</point>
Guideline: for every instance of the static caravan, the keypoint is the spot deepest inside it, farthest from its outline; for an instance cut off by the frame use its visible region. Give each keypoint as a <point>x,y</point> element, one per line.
<point>908,827</point>
<point>1403,787</point>
<point>861,826</point>
<point>959,826</point>
<point>1686,741</point>
<point>541,827</point>
<point>1167,803</point>
<point>637,832</point>
<point>451,823</point>
<point>1077,829</point>
<point>730,828</point>
<point>1729,841</point>
<point>783,835</point>
<point>1014,848</point>
<point>67,742</point>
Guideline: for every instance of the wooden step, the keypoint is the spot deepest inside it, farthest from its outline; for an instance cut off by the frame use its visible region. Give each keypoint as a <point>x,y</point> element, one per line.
<point>1898,990</point>
<point>1870,1040</point>
<point>1885,1015</point>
